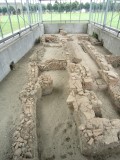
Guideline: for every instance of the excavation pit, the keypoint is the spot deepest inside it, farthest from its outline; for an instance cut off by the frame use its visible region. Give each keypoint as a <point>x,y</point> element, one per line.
<point>59,80</point>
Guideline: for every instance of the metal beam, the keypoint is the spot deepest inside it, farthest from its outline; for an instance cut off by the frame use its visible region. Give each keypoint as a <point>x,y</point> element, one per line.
<point>17,33</point>
<point>105,16</point>
<point>17,14</point>
<point>9,16</point>
<point>90,10</point>
<point>23,14</point>
<point>41,13</point>
<point>1,31</point>
<point>28,11</point>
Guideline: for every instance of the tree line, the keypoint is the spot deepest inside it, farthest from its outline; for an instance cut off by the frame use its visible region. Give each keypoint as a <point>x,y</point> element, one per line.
<point>61,7</point>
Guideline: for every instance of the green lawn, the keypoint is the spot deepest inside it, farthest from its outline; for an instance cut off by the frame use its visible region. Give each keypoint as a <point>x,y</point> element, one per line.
<point>6,29</point>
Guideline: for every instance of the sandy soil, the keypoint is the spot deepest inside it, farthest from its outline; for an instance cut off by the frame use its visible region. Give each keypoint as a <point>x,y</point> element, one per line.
<point>103,50</point>
<point>56,128</point>
<point>54,52</point>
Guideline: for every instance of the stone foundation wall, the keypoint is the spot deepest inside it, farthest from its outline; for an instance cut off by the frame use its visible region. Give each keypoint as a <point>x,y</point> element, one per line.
<point>24,145</point>
<point>107,72</point>
<point>25,138</point>
<point>97,135</point>
<point>52,64</point>
<point>51,41</point>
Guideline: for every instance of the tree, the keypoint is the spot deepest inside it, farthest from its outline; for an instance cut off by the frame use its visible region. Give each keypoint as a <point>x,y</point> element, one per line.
<point>56,6</point>
<point>43,7</point>
<point>24,9</point>
<point>36,7</point>
<point>67,7</point>
<point>4,10</point>
<point>49,6</point>
<point>80,6</point>
<point>11,10</point>
<point>31,7</point>
<point>118,8</point>
<point>62,7</point>
<point>74,5</point>
<point>18,11</point>
<point>0,10</point>
<point>100,6</point>
<point>87,6</point>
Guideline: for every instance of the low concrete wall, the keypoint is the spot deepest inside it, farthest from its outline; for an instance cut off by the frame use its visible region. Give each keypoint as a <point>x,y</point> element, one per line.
<point>111,42</point>
<point>69,27</point>
<point>16,49</point>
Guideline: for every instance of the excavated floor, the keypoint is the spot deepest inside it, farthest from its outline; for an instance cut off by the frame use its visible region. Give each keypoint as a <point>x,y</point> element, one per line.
<point>108,107</point>
<point>56,129</point>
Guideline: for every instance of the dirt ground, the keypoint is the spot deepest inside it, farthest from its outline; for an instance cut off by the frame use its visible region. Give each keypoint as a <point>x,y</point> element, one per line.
<point>57,136</point>
<point>10,106</point>
<point>56,129</point>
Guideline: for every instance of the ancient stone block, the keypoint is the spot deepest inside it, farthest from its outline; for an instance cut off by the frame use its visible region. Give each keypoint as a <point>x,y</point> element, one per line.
<point>52,64</point>
<point>46,84</point>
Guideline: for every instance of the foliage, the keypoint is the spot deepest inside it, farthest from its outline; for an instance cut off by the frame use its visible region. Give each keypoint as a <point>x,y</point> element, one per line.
<point>49,6</point>
<point>56,6</point>
<point>11,9</point>
<point>0,10</point>
<point>65,7</point>
<point>4,10</point>
<point>24,8</point>
<point>44,7</point>
<point>95,35</point>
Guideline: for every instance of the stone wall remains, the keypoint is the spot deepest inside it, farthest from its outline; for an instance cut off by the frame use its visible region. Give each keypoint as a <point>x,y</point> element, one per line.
<point>24,145</point>
<point>97,135</point>
<point>107,72</point>
<point>52,64</point>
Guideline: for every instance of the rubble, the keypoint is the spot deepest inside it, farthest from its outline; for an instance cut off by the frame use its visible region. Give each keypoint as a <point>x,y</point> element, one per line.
<point>62,32</point>
<point>95,41</point>
<point>50,39</point>
<point>100,138</point>
<point>52,64</point>
<point>113,60</point>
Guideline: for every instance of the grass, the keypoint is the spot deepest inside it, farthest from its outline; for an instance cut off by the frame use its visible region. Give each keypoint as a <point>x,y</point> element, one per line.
<point>98,17</point>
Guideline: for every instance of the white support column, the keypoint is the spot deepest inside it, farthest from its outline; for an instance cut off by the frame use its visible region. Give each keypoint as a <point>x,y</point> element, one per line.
<point>105,16</point>
<point>90,10</point>
<point>28,11</point>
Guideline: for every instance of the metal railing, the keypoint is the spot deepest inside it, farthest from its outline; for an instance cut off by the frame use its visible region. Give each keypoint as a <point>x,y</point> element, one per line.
<point>107,15</point>
<point>17,17</point>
